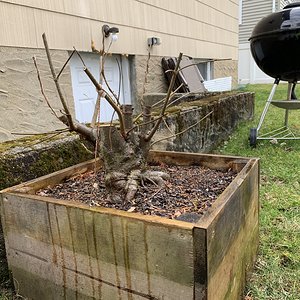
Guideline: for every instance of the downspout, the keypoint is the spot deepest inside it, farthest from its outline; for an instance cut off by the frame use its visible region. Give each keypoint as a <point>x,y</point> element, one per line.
<point>274,5</point>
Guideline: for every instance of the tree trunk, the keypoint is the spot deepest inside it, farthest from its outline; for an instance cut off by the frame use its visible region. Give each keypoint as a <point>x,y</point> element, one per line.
<point>124,162</point>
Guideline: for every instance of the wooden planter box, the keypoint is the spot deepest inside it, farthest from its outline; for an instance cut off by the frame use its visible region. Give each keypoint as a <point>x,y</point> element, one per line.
<point>65,250</point>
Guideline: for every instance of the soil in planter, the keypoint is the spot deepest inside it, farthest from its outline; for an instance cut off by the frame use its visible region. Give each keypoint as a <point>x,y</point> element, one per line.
<point>188,193</point>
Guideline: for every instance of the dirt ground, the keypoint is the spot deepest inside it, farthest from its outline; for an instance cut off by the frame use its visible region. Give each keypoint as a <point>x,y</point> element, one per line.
<point>188,193</point>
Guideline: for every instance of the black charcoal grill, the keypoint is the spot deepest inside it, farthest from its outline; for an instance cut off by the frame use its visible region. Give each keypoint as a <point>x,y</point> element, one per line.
<point>275,47</point>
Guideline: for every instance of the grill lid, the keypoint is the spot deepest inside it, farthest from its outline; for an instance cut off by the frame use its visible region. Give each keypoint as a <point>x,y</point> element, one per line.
<point>275,44</point>
<point>286,20</point>
<point>291,5</point>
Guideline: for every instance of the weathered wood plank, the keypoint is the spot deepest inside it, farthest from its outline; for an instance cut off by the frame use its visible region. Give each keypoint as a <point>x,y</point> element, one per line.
<point>200,263</point>
<point>212,161</point>
<point>230,274</point>
<point>233,239</point>
<point>92,253</point>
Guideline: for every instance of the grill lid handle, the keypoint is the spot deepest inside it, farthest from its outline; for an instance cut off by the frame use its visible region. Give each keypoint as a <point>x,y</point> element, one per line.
<point>291,5</point>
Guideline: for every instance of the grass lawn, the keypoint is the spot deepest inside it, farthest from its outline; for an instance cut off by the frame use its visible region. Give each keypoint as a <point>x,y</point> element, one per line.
<point>277,272</point>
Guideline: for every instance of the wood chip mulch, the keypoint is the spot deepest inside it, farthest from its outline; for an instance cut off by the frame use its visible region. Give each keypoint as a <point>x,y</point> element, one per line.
<point>186,196</point>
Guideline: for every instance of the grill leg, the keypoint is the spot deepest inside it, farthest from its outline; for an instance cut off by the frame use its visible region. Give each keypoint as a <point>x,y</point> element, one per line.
<point>291,87</point>
<point>263,115</point>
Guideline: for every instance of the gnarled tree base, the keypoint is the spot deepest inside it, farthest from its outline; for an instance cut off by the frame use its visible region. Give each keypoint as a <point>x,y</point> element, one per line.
<point>123,187</point>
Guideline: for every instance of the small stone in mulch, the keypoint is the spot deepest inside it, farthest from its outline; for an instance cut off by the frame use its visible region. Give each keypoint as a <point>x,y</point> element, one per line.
<point>186,196</point>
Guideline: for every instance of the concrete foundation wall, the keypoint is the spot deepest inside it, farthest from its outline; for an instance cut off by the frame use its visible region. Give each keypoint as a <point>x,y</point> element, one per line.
<point>154,82</point>
<point>226,68</point>
<point>23,108</point>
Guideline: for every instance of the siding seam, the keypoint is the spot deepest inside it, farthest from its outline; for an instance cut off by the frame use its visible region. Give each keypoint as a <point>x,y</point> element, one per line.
<point>119,24</point>
<point>181,15</point>
<point>218,10</point>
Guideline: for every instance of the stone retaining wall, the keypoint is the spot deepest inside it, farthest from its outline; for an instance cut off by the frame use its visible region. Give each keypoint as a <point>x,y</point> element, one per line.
<point>25,162</point>
<point>224,110</point>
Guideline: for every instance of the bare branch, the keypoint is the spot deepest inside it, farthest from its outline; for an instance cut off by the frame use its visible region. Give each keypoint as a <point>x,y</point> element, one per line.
<point>42,133</point>
<point>109,88</point>
<point>127,113</point>
<point>167,126</point>
<point>183,96</point>
<point>109,100</point>
<point>42,88</point>
<point>164,99</point>
<point>105,95</point>
<point>145,79</point>
<point>144,123</point>
<point>62,99</point>
<point>154,129</point>
<point>87,132</point>
<point>80,57</point>
<point>44,140</point>
<point>120,79</point>
<point>183,131</point>
<point>97,109</point>
<point>146,118</point>
<point>63,67</point>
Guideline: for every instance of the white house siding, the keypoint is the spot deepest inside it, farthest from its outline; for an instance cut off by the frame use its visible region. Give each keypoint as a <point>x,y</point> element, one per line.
<point>283,3</point>
<point>205,29</point>
<point>252,12</point>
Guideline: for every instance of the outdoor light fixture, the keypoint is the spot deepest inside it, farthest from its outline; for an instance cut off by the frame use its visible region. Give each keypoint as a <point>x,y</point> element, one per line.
<point>153,41</point>
<point>110,31</point>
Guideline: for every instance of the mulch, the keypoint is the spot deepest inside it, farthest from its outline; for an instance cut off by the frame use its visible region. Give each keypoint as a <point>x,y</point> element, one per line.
<point>186,196</point>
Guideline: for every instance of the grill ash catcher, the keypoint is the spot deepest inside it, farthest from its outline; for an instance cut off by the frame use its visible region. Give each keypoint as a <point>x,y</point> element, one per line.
<point>275,47</point>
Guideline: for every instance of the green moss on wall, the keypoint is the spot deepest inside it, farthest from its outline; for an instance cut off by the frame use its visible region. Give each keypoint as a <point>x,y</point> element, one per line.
<point>32,162</point>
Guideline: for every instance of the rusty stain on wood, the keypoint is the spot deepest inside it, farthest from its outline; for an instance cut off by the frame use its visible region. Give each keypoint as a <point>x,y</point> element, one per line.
<point>54,257</point>
<point>96,255</point>
<point>74,253</point>
<point>29,254</point>
<point>62,254</point>
<point>146,259</point>
<point>127,290</point>
<point>86,233</point>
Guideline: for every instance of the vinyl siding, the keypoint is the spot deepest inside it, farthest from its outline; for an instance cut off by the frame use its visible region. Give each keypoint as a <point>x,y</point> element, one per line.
<point>206,28</point>
<point>283,3</point>
<point>252,12</point>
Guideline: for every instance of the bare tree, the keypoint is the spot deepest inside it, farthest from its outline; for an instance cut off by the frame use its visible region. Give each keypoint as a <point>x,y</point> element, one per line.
<point>123,147</point>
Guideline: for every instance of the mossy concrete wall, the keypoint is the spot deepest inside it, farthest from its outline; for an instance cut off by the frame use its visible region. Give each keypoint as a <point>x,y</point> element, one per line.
<point>21,160</point>
<point>220,114</point>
